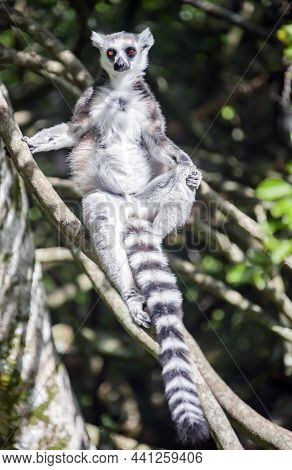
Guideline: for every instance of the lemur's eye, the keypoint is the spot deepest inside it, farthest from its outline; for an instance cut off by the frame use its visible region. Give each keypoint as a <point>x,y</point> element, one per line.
<point>110,53</point>
<point>131,51</point>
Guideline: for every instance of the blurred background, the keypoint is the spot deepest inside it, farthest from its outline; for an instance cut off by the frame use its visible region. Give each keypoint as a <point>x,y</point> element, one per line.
<point>223,79</point>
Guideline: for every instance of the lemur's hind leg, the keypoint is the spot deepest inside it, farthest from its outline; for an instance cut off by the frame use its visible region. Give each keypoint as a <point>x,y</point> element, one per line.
<point>104,215</point>
<point>170,198</point>
<point>52,138</point>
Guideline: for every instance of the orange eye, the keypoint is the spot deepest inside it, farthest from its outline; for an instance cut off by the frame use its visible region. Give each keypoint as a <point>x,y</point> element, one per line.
<point>131,51</point>
<point>111,53</point>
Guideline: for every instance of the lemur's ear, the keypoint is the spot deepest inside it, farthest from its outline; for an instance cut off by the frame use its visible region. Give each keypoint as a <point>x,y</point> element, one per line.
<point>98,39</point>
<point>146,38</point>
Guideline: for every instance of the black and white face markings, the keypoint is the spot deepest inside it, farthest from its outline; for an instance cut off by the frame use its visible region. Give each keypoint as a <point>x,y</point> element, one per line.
<point>121,52</point>
<point>121,59</point>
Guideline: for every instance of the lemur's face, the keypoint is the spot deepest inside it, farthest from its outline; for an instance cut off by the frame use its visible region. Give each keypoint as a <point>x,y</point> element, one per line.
<point>123,52</point>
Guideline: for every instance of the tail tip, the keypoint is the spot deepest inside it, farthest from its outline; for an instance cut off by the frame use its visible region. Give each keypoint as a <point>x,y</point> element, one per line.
<point>195,433</point>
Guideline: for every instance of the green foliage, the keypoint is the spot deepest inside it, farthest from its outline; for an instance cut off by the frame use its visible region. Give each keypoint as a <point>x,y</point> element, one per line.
<point>272,189</point>
<point>285,35</point>
<point>279,223</point>
<point>246,274</point>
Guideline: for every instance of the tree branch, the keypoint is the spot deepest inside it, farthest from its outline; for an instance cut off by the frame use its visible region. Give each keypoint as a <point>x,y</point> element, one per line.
<point>259,429</point>
<point>218,241</point>
<point>231,211</point>
<point>55,254</point>
<point>50,69</point>
<point>49,42</point>
<point>222,291</point>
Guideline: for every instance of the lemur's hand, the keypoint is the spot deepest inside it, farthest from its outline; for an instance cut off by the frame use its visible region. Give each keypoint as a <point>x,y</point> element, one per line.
<point>194,179</point>
<point>28,141</point>
<point>42,143</point>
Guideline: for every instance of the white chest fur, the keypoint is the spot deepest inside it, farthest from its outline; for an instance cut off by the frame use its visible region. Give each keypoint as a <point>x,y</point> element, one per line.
<point>119,114</point>
<point>123,165</point>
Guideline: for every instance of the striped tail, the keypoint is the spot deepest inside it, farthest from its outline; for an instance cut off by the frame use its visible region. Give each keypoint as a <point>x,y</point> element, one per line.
<point>164,304</point>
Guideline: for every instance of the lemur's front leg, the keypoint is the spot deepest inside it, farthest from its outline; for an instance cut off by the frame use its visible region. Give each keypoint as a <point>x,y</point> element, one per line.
<point>52,138</point>
<point>169,199</point>
<point>161,148</point>
<point>64,135</point>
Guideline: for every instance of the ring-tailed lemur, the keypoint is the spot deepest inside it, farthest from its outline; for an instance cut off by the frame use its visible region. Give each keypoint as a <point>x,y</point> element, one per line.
<point>137,186</point>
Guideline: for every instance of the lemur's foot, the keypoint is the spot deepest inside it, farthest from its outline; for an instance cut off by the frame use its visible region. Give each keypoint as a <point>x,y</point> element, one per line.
<point>142,319</point>
<point>137,312</point>
<point>194,179</point>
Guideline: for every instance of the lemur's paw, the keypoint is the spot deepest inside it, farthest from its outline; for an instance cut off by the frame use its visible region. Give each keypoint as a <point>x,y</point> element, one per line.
<point>142,319</point>
<point>194,179</point>
<point>28,141</point>
<point>34,144</point>
<point>137,312</point>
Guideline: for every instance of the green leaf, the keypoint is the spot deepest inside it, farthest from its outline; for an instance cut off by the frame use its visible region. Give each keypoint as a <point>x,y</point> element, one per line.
<point>273,188</point>
<point>284,34</point>
<point>239,274</point>
<point>258,277</point>
<point>269,227</point>
<point>283,208</point>
<point>212,265</point>
<point>258,257</point>
<point>218,314</point>
<point>283,250</point>
<point>228,113</point>
<point>288,53</point>
<point>271,243</point>
<point>288,167</point>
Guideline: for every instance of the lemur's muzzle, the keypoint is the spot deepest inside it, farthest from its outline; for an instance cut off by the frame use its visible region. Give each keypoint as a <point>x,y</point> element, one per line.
<point>120,65</point>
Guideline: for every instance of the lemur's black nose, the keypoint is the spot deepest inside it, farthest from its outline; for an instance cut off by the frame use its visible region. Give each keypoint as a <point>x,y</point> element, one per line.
<point>120,65</point>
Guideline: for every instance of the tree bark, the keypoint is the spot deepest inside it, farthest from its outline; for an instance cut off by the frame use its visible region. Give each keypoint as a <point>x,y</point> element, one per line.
<point>37,407</point>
